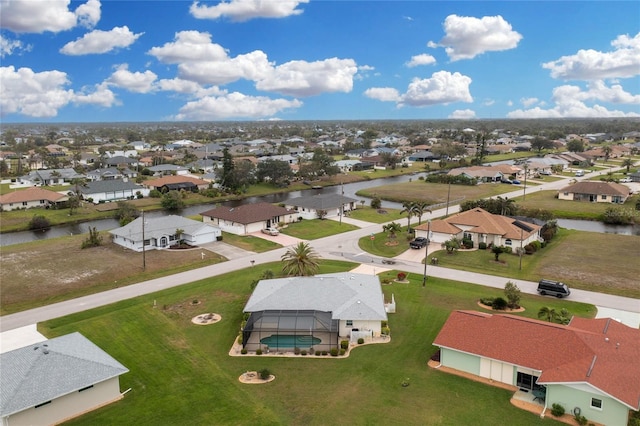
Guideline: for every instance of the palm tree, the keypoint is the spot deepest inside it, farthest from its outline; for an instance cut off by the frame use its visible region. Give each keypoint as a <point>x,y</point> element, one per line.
<point>408,207</point>
<point>548,314</point>
<point>627,162</point>
<point>300,261</point>
<point>607,150</point>
<point>507,205</point>
<point>392,230</point>
<point>420,209</point>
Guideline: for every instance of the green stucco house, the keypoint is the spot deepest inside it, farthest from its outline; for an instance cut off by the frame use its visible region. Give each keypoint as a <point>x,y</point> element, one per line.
<point>590,366</point>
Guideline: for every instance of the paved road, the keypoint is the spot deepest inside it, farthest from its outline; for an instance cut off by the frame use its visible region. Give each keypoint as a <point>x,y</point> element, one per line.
<point>342,246</point>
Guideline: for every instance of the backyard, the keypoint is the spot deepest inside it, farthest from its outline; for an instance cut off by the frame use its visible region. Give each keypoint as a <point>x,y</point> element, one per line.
<point>181,373</point>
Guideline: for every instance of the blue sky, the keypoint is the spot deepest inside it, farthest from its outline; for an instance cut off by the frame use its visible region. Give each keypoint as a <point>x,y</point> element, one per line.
<point>106,61</point>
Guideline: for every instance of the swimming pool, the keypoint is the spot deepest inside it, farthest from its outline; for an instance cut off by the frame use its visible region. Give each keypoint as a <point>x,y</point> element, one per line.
<point>289,341</point>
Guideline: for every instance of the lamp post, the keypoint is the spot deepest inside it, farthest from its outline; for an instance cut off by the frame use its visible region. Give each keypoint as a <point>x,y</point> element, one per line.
<point>341,201</point>
<point>426,253</point>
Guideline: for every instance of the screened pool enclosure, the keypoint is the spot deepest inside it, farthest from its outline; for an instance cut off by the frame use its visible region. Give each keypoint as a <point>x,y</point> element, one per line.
<point>283,331</point>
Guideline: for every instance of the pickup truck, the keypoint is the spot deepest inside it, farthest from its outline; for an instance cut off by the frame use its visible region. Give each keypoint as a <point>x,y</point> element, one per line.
<point>270,231</point>
<point>418,243</point>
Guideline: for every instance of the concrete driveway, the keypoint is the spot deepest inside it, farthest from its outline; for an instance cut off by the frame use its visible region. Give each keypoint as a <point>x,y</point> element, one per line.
<point>226,250</point>
<point>282,239</point>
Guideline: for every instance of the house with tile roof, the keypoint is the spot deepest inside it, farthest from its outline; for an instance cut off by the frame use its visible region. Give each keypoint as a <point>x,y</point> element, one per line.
<point>316,311</point>
<point>179,182</point>
<point>49,382</point>
<point>595,192</point>
<point>160,232</point>
<point>32,197</point>
<point>590,364</point>
<point>327,205</point>
<point>480,226</point>
<point>248,218</point>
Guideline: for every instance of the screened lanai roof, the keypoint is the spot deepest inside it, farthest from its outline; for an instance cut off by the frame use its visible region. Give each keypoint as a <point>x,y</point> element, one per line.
<point>280,321</point>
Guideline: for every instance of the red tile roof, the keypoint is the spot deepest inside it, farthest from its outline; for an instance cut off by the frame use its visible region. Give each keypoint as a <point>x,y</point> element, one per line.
<point>601,352</point>
<point>247,213</point>
<point>156,183</point>
<point>31,194</point>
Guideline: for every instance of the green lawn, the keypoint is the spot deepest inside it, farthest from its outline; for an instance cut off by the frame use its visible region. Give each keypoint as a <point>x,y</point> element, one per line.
<point>249,242</point>
<point>376,215</point>
<point>181,373</point>
<point>316,228</point>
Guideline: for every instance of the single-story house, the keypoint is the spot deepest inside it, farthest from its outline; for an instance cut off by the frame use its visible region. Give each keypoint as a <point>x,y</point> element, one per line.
<point>159,233</point>
<point>168,169</point>
<point>597,192</point>
<point>49,382</point>
<point>480,173</point>
<point>111,190</point>
<point>179,182</point>
<point>591,366</point>
<point>50,177</point>
<point>110,173</point>
<point>248,218</point>
<point>30,198</point>
<point>309,206</point>
<point>313,312</point>
<point>480,226</point>
<point>423,156</point>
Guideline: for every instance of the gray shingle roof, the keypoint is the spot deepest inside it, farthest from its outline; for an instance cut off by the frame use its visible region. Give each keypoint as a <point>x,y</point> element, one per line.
<point>100,186</point>
<point>321,201</point>
<point>247,213</point>
<point>345,295</point>
<point>160,226</point>
<point>44,371</point>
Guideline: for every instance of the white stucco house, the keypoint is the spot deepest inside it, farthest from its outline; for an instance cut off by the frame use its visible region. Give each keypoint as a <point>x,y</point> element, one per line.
<point>49,382</point>
<point>111,190</point>
<point>248,218</point>
<point>313,312</point>
<point>32,197</point>
<point>159,233</point>
<point>332,205</point>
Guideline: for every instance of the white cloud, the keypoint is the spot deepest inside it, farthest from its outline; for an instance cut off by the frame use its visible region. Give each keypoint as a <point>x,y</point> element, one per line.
<point>99,41</point>
<point>33,94</point>
<point>571,101</point>
<point>442,88</point>
<point>38,16</point>
<point>466,37</point>
<point>510,103</point>
<point>384,94</point>
<point>302,78</point>
<point>137,82</point>
<point>187,87</point>
<point>234,105</point>
<point>244,10</point>
<point>8,46</point>
<point>462,114</point>
<point>488,102</point>
<point>623,62</point>
<point>527,102</point>
<point>202,61</point>
<point>422,59</point>
<point>101,96</point>
<point>189,46</point>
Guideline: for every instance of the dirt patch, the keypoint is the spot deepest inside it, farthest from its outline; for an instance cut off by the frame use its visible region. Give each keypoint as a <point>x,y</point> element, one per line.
<point>253,378</point>
<point>206,319</point>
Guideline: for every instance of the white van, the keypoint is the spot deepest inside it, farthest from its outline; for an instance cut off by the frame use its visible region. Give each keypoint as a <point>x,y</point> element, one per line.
<point>579,173</point>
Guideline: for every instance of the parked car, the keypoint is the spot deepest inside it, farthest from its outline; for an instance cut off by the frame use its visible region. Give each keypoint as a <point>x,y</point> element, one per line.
<point>546,172</point>
<point>505,180</point>
<point>553,288</point>
<point>625,180</point>
<point>418,243</point>
<point>270,231</point>
<point>579,173</point>
<point>515,182</point>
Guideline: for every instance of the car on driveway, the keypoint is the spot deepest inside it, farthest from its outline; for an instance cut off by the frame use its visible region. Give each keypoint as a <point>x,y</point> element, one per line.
<point>270,231</point>
<point>625,180</point>
<point>505,180</point>
<point>418,243</point>
<point>515,182</point>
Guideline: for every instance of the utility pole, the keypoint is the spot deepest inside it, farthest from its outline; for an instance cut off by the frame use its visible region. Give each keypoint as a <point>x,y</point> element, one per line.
<point>341,201</point>
<point>426,253</point>
<point>446,213</point>
<point>526,172</point>
<point>521,236</point>
<point>144,254</point>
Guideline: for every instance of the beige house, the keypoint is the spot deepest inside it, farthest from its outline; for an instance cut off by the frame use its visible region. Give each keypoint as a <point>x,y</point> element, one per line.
<point>49,382</point>
<point>595,192</point>
<point>248,218</point>
<point>480,226</point>
<point>30,198</point>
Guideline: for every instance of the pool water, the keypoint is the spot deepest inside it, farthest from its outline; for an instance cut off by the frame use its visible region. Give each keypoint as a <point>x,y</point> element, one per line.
<point>289,341</point>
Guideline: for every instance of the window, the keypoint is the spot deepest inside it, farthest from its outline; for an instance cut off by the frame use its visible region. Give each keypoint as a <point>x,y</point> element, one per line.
<point>596,403</point>
<point>507,242</point>
<point>349,323</point>
<point>603,197</point>
<point>467,236</point>
<point>24,203</point>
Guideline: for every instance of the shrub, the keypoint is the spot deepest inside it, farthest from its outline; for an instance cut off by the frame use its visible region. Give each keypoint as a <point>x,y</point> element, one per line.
<point>499,304</point>
<point>401,276</point>
<point>296,351</point>
<point>39,223</point>
<point>334,351</point>
<point>243,351</point>
<point>344,344</point>
<point>512,293</point>
<point>324,352</point>
<point>488,301</point>
<point>342,352</point>
<point>383,323</point>
<point>318,353</point>
<point>467,243</point>
<point>360,341</point>
<point>506,249</point>
<point>154,193</point>
<point>264,374</point>
<point>303,352</point>
<point>258,351</point>
<point>557,410</point>
<point>581,420</point>
<point>93,240</point>
<point>536,245</point>
<point>385,331</point>
<point>482,246</point>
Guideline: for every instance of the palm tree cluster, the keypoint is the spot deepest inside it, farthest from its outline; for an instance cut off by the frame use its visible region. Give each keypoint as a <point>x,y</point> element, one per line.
<point>503,206</point>
<point>550,314</point>
<point>414,208</point>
